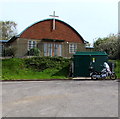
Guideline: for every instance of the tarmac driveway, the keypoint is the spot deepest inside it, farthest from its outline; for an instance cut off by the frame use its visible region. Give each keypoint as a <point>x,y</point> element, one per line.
<point>60,99</point>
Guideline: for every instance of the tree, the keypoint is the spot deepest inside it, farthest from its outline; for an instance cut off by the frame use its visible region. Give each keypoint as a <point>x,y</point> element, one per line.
<point>110,44</point>
<point>7,29</point>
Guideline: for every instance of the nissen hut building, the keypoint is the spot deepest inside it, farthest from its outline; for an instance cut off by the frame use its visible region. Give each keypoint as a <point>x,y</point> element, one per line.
<point>53,38</point>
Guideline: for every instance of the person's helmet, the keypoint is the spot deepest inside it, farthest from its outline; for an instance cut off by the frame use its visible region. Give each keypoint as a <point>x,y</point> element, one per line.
<point>105,63</point>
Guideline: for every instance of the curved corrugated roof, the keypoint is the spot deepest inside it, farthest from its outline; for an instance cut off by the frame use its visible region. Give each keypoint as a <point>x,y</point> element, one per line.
<point>56,20</point>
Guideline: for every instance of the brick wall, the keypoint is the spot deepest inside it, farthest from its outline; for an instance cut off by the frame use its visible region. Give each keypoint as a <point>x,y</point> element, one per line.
<point>21,46</point>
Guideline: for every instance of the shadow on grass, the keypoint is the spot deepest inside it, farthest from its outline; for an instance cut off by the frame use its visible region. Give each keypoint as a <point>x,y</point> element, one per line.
<point>64,72</point>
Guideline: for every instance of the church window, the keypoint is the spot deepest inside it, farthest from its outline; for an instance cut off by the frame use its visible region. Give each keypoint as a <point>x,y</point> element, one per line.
<point>51,49</point>
<point>47,49</point>
<point>57,50</point>
<point>72,48</point>
<point>31,44</point>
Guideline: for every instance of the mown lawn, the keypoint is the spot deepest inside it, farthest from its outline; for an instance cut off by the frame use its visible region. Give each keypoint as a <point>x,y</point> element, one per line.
<point>29,74</point>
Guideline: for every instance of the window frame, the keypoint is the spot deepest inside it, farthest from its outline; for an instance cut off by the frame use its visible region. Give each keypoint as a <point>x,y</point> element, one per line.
<point>52,49</point>
<point>72,48</point>
<point>32,44</point>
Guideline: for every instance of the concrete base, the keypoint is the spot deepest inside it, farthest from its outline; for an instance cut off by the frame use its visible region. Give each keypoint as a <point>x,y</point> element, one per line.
<point>82,78</point>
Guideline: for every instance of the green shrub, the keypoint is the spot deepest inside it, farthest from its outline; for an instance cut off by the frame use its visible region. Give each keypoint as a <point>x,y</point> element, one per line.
<point>8,52</point>
<point>34,52</point>
<point>117,69</point>
<point>41,63</point>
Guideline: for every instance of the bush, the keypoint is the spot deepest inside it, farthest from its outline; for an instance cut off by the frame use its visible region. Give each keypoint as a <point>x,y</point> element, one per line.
<point>117,69</point>
<point>41,63</point>
<point>34,52</point>
<point>111,45</point>
<point>8,52</point>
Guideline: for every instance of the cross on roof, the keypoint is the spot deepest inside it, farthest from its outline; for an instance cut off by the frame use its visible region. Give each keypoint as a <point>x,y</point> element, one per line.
<point>54,16</point>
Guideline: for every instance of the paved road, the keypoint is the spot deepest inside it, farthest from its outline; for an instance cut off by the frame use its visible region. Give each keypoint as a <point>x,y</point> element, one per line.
<point>60,99</point>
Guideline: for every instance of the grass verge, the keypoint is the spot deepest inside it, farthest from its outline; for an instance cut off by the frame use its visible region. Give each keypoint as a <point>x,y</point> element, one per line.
<point>15,68</point>
<point>39,68</point>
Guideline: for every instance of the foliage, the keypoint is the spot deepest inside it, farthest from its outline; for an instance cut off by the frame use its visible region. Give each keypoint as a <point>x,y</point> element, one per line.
<point>41,63</point>
<point>117,69</point>
<point>7,29</point>
<point>33,52</point>
<point>8,52</point>
<point>110,44</point>
<point>16,68</point>
<point>12,67</point>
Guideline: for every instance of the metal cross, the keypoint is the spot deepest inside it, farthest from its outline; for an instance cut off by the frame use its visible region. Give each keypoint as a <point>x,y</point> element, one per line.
<point>54,19</point>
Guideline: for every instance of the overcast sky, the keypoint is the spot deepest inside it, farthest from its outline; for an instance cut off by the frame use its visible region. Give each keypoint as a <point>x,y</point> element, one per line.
<point>91,18</point>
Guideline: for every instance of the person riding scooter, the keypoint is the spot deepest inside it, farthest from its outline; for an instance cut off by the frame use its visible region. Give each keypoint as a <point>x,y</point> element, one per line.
<point>107,67</point>
<point>105,73</point>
